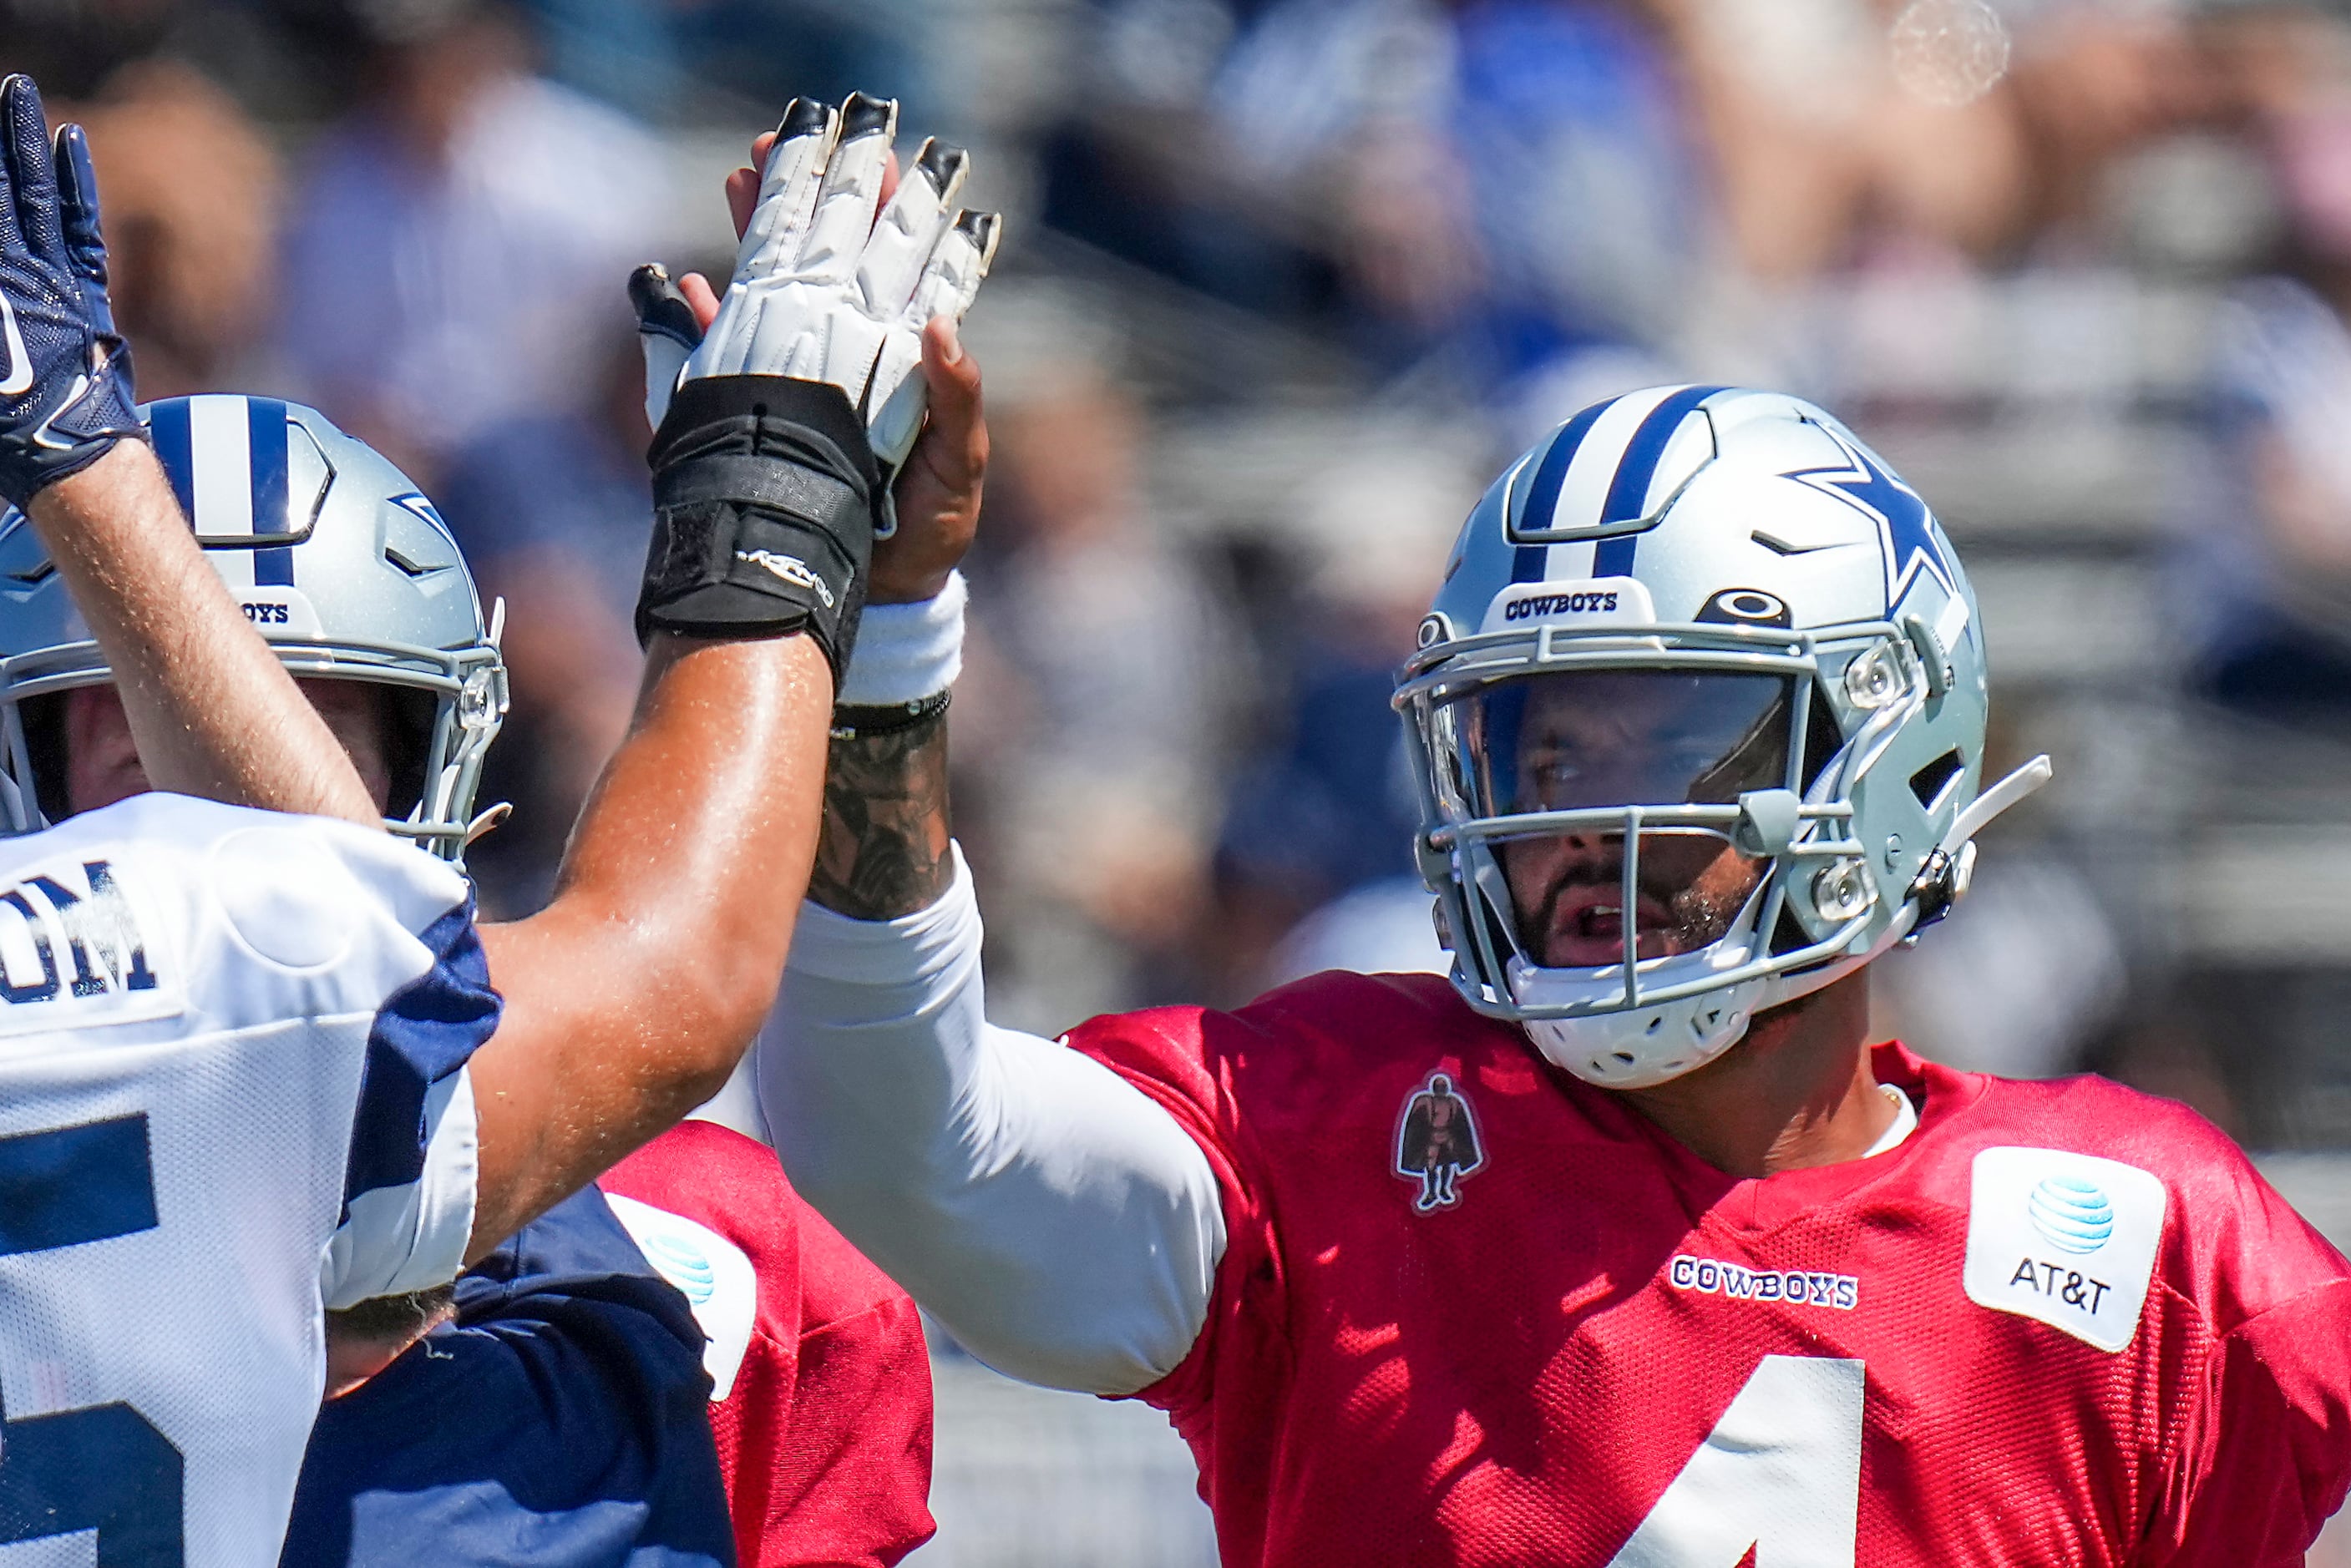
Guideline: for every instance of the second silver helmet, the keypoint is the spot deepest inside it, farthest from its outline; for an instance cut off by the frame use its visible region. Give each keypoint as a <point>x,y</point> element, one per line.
<point>337,559</point>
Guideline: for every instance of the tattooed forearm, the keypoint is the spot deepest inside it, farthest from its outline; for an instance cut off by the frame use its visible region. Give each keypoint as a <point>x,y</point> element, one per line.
<point>885,849</point>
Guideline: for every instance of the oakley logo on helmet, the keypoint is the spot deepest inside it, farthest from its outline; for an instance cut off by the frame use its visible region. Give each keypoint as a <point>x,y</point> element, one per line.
<point>792,568</point>
<point>1745,607</point>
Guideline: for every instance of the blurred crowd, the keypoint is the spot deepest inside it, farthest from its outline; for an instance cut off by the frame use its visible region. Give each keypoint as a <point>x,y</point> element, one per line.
<point>1286,281</point>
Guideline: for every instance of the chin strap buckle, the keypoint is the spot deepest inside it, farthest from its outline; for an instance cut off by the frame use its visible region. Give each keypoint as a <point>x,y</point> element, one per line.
<point>1943,882</point>
<point>1951,867</point>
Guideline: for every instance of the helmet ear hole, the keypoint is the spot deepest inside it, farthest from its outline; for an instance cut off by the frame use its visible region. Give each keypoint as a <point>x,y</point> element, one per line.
<point>1929,782</point>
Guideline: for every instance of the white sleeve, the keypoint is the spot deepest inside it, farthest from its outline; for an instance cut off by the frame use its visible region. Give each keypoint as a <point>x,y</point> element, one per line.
<point>1054,1219</point>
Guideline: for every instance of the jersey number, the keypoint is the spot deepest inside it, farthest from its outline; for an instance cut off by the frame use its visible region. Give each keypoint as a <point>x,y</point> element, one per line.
<point>104,1469</point>
<point>1779,1476</point>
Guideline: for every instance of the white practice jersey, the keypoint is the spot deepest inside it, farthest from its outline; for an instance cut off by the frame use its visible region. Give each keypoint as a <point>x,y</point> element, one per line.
<point>233,1092</point>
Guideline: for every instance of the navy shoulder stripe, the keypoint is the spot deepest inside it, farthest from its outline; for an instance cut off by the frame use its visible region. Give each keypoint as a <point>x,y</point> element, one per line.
<point>425,1032</point>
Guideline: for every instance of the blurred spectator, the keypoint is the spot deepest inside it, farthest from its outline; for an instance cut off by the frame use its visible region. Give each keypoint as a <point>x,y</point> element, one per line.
<point>1385,927</point>
<point>2022,978</point>
<point>190,191</point>
<point>664,58</point>
<point>458,243</point>
<point>2267,555</point>
<point>2265,543</point>
<point>1510,179</point>
<point>1098,735</point>
<point>1562,199</point>
<point>551,511</point>
<point>1328,813</point>
<point>1516,173</point>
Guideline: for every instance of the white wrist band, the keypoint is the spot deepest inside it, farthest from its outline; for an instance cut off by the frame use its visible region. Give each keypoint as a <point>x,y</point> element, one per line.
<point>905,652</point>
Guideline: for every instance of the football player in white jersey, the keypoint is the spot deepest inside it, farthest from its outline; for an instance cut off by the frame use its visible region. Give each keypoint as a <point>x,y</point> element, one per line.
<point>193,998</point>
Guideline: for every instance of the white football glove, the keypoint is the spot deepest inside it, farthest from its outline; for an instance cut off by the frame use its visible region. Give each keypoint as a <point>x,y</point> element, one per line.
<point>824,292</point>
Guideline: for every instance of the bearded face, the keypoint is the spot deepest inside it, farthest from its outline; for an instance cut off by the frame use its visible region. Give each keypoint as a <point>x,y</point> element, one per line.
<point>1611,739</point>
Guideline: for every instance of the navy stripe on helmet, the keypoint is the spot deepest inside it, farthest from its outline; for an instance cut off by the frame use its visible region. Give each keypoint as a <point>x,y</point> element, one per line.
<point>265,438</point>
<point>1629,488</point>
<point>1614,557</point>
<point>167,426</point>
<point>1542,494</point>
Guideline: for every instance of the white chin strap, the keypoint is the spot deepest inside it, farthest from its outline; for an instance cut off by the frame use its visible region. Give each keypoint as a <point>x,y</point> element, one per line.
<point>1640,1047</point>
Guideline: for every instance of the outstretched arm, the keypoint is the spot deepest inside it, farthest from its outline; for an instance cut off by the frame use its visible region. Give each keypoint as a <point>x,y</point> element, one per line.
<point>630,998</point>
<point>634,995</point>
<point>1061,1224</point>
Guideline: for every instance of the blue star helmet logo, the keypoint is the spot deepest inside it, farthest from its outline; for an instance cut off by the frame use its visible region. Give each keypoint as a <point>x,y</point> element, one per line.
<point>1906,529</point>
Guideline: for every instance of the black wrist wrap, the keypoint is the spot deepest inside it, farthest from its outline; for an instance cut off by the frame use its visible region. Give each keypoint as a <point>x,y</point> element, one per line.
<point>765,491</point>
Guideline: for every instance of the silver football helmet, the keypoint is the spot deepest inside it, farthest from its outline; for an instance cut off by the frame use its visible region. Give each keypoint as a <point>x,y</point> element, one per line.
<point>1697,722</point>
<point>338,562</point>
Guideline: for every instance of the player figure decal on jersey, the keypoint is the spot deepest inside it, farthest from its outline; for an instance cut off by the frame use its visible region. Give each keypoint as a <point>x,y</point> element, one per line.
<point>1437,1144</point>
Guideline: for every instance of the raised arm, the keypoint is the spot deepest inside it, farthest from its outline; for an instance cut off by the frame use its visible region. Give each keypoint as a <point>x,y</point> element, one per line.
<point>632,996</point>
<point>213,711</point>
<point>1059,1223</point>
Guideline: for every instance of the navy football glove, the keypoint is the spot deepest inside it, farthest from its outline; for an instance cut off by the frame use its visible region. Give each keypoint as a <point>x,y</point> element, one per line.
<point>65,388</point>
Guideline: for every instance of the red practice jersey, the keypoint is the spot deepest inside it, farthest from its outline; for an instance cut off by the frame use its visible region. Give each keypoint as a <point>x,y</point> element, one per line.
<point>824,1421</point>
<point>1474,1312</point>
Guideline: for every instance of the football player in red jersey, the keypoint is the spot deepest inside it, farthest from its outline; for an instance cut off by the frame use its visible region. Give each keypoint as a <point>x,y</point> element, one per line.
<point>820,1400</point>
<point>1624,1246</point>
